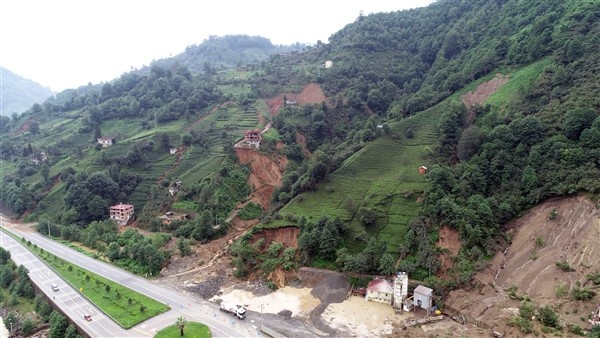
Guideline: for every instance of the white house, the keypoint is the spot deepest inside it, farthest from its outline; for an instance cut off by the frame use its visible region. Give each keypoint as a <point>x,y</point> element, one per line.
<point>173,151</point>
<point>380,290</point>
<point>105,142</point>
<point>328,64</point>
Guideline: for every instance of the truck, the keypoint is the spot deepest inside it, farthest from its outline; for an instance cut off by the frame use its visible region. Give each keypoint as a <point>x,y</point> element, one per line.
<point>236,310</point>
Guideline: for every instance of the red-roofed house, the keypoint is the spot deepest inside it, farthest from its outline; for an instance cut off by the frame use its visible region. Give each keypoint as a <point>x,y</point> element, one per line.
<point>121,213</point>
<point>380,290</point>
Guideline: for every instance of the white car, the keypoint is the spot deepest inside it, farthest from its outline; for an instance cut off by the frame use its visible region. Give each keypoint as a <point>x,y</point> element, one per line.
<point>54,287</point>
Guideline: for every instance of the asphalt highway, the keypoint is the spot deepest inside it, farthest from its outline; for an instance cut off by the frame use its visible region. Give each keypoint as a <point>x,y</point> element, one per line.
<point>75,305</point>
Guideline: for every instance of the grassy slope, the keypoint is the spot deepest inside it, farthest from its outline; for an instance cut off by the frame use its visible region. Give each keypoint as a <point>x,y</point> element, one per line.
<point>383,175</point>
<point>195,165</point>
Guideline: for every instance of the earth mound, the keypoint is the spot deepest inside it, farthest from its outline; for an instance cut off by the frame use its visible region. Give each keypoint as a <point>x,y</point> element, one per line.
<point>332,289</point>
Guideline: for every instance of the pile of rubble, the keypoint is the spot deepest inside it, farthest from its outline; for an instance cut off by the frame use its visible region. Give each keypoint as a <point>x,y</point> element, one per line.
<point>206,289</point>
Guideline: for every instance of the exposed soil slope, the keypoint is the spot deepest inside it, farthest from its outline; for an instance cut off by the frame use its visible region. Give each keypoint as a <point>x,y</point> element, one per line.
<point>529,264</point>
<point>265,174</point>
<point>312,93</point>
<point>481,93</point>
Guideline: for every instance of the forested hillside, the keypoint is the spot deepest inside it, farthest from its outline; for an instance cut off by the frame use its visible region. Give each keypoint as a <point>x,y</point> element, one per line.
<point>394,102</point>
<point>223,52</point>
<point>19,94</point>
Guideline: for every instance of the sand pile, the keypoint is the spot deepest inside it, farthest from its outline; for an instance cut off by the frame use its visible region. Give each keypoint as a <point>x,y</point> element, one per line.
<point>332,289</point>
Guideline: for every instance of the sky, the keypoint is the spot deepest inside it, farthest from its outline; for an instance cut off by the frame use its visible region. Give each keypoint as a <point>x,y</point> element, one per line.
<point>65,44</point>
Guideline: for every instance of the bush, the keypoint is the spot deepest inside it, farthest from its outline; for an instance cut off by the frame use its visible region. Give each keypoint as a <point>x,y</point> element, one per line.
<point>564,266</point>
<point>576,329</point>
<point>523,324</point>
<point>250,211</point>
<point>548,317</point>
<point>582,294</point>
<point>561,290</point>
<point>553,214</point>
<point>594,278</point>
<point>527,310</point>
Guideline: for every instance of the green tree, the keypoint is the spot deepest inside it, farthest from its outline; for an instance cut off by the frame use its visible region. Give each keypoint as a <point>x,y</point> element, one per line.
<point>34,128</point>
<point>180,322</point>
<point>27,327</point>
<point>328,242</point>
<point>576,121</point>
<point>548,317</point>
<point>45,171</point>
<point>4,256</point>
<point>113,251</point>
<point>58,325</point>
<point>469,143</point>
<point>71,332</point>
<point>183,246</point>
<point>387,264</point>
<point>594,332</point>
<point>368,216</point>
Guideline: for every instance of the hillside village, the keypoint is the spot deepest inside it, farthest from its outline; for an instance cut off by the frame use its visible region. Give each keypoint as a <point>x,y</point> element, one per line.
<point>412,177</point>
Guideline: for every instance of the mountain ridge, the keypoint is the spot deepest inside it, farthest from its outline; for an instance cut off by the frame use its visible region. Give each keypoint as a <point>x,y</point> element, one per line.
<point>19,93</point>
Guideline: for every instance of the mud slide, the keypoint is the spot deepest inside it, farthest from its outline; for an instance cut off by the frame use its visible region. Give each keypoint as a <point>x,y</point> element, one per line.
<point>529,264</point>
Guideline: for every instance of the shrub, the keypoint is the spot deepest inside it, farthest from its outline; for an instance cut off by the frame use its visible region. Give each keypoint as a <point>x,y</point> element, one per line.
<point>564,266</point>
<point>594,278</point>
<point>512,292</point>
<point>527,309</point>
<point>548,317</point>
<point>553,214</point>
<point>576,329</point>
<point>561,290</point>
<point>539,241</point>
<point>250,211</point>
<point>582,294</point>
<point>523,324</point>
<point>274,249</point>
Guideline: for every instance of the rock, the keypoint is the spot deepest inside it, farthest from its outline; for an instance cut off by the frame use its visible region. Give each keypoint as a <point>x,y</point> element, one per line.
<point>285,313</point>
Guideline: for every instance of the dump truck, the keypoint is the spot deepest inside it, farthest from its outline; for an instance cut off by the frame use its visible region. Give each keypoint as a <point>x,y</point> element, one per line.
<point>236,310</point>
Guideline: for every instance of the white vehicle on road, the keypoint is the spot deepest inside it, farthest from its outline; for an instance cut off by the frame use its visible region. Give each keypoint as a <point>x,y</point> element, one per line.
<point>236,310</point>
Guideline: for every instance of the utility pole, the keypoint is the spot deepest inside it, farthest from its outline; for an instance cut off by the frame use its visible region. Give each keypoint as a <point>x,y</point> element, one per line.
<point>261,315</point>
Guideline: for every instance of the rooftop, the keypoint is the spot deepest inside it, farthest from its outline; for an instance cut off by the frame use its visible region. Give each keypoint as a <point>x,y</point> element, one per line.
<point>380,285</point>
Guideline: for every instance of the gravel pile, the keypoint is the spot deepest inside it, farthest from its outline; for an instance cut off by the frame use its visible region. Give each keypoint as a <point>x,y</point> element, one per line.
<point>208,288</point>
<point>332,289</point>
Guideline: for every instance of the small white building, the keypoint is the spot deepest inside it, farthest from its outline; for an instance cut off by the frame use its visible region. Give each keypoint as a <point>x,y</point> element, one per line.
<point>423,297</point>
<point>173,151</point>
<point>328,64</point>
<point>105,142</point>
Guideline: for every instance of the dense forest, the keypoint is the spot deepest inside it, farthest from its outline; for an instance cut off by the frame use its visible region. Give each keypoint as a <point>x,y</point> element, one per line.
<point>489,163</point>
<point>223,52</point>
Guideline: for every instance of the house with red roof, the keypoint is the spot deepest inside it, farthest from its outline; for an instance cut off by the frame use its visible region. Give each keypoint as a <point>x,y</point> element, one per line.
<point>380,290</point>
